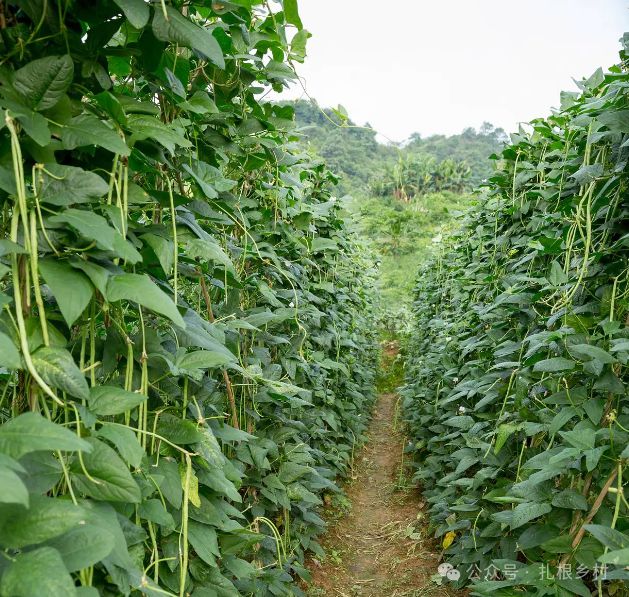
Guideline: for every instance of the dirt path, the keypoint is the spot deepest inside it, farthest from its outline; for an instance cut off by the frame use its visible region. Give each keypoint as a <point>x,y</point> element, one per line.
<point>380,547</point>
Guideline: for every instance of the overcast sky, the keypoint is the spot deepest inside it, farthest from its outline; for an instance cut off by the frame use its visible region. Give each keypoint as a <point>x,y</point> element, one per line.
<point>437,66</point>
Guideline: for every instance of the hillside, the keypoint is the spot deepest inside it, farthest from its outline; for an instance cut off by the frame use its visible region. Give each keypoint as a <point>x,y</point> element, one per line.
<point>352,151</point>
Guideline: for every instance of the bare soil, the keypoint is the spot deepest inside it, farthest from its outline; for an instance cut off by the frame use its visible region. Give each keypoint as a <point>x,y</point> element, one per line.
<point>381,546</point>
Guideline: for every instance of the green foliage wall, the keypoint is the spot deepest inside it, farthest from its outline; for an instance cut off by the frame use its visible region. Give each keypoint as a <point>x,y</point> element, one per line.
<point>516,391</point>
<point>186,338</point>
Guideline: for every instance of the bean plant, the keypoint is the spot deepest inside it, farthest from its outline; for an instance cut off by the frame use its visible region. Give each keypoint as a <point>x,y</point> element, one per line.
<point>516,390</point>
<point>186,337</point>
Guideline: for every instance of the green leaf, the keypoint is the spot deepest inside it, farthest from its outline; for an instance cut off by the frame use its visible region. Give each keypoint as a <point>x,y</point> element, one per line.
<point>291,12</point>
<point>86,129</point>
<point>136,11</point>
<point>94,227</point>
<point>30,432</point>
<point>9,354</point>
<point>609,537</point>
<point>200,103</point>
<point>37,573</point>
<point>83,546</point>
<point>43,471</point>
<point>320,244</point>
<point>504,432</point>
<point>210,179</point>
<point>44,81</point>
<point>154,511</point>
<point>57,368</point>
<point>522,514</point>
<point>203,539</point>
<point>65,185</point>
<point>142,290</point>
<point>12,488</point>
<point>620,557</point>
<point>178,431</point>
<point>163,248</point>
<point>569,498</point>
<point>587,351</point>
<point>8,247</point>
<point>126,443</point>
<point>45,519</point>
<point>97,274</point>
<point>557,276</point>
<point>204,359</point>
<point>144,126</point>
<point>616,120</point>
<point>109,479</point>
<point>71,289</point>
<point>582,437</point>
<point>112,400</point>
<point>180,30</point>
<point>553,365</point>
<point>207,250</point>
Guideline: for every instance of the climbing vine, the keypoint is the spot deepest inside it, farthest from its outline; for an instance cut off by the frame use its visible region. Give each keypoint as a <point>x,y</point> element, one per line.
<point>186,339</point>
<point>516,391</point>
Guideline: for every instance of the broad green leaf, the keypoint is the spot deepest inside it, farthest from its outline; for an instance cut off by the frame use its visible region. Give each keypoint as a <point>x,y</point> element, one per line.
<point>170,483</point>
<point>203,539</point>
<point>83,546</point>
<point>620,557</point>
<point>58,369</point>
<point>569,498</point>
<point>582,438</point>
<point>204,359</point>
<point>163,248</point>
<point>12,488</point>
<point>136,11</point>
<point>616,120</point>
<point>72,290</point>
<point>609,537</point>
<point>8,247</point>
<point>9,354</point>
<point>557,276</point>
<point>207,250</point>
<point>553,365</point>
<point>95,227</point>
<point>109,479</point>
<point>154,511</point>
<point>86,129</point>
<point>34,124</point>
<point>210,179</point>
<point>126,443</point>
<point>142,290</point>
<point>97,274</point>
<point>37,573</point>
<point>291,12</point>
<point>30,432</point>
<point>44,519</point>
<point>522,514</point>
<point>587,351</point>
<point>178,431</point>
<point>181,30</point>
<point>321,244</point>
<point>65,185</point>
<point>200,103</point>
<point>144,126</point>
<point>505,431</point>
<point>44,81</point>
<point>43,471</point>
<point>112,400</point>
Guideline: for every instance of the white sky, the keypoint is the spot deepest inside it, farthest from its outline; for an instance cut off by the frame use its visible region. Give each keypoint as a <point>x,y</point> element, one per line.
<point>437,66</point>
